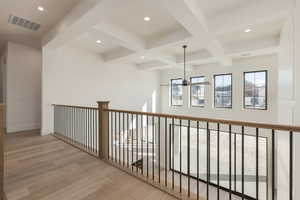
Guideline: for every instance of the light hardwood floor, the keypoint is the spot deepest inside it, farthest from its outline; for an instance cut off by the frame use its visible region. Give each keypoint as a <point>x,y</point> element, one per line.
<point>45,168</point>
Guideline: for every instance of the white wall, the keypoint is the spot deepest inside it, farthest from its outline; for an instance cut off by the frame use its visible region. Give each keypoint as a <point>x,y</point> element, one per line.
<point>286,97</point>
<point>289,98</point>
<point>76,77</point>
<point>286,104</point>
<point>297,97</point>
<point>237,112</point>
<point>23,87</point>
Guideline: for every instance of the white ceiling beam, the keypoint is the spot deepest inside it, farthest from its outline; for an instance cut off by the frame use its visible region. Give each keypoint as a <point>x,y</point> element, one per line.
<point>259,47</point>
<point>162,61</point>
<point>84,15</point>
<point>168,60</point>
<point>189,14</point>
<point>177,36</point>
<point>123,37</point>
<point>121,54</point>
<point>116,54</point>
<point>152,48</point>
<point>153,65</point>
<point>87,14</point>
<point>219,25</point>
<point>135,45</point>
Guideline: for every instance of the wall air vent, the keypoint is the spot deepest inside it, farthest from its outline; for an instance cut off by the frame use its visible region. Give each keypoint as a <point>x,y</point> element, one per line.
<point>25,23</point>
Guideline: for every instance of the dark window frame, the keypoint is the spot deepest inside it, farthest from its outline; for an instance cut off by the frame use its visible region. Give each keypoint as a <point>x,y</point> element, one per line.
<point>171,94</point>
<point>215,91</point>
<point>197,106</point>
<point>266,90</point>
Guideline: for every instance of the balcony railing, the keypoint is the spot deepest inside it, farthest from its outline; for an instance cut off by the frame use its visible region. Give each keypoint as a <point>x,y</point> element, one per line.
<point>78,126</point>
<point>187,157</point>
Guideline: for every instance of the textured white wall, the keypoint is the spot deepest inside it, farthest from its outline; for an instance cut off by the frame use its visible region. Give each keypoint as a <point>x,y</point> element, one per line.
<point>286,96</point>
<point>237,112</point>
<point>297,93</point>
<point>289,102</point>
<point>23,87</point>
<point>76,77</point>
<point>286,104</point>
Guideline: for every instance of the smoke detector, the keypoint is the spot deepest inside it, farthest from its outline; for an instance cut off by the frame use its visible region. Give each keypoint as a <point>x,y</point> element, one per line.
<point>24,23</point>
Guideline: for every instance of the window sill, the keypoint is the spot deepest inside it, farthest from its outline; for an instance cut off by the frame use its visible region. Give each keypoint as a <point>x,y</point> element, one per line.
<point>197,106</point>
<point>223,108</point>
<point>258,109</point>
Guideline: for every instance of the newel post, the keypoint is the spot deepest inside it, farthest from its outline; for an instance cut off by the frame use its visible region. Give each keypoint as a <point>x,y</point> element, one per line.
<point>103,129</point>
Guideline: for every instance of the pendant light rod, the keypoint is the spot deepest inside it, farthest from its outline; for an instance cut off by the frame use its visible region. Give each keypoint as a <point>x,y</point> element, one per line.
<point>184,60</point>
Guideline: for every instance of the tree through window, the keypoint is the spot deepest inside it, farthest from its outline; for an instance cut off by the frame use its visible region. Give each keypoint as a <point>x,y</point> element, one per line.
<point>255,90</point>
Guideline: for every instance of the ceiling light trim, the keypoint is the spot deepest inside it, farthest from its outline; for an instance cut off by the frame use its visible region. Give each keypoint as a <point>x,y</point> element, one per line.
<point>147,19</point>
<point>41,8</point>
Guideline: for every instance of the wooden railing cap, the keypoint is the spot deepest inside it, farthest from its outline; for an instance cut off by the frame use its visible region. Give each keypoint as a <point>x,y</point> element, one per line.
<point>103,102</point>
<point>70,106</point>
<point>221,121</point>
<point>277,127</point>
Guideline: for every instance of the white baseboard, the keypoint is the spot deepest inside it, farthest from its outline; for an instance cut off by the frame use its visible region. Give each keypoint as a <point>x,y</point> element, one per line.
<point>23,127</point>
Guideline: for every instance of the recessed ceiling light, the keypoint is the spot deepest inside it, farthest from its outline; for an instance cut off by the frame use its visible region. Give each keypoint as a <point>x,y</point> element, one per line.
<point>147,19</point>
<point>247,30</point>
<point>142,57</point>
<point>40,8</point>
<point>99,41</point>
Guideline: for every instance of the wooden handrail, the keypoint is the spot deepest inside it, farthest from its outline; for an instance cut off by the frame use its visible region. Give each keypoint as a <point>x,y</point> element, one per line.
<point>71,106</point>
<point>183,117</point>
<point>221,121</point>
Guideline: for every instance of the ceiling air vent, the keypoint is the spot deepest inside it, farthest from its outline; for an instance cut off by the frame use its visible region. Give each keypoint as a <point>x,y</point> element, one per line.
<point>25,23</point>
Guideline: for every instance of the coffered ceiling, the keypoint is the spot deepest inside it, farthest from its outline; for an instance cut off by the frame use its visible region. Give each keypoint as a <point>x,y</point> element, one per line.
<point>149,34</point>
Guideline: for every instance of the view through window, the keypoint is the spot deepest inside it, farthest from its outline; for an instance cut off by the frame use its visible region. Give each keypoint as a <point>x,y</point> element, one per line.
<point>176,92</point>
<point>255,90</point>
<point>197,92</point>
<point>223,91</point>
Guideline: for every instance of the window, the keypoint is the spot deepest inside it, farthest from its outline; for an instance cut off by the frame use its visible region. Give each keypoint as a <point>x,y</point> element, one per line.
<point>223,91</point>
<point>255,90</point>
<point>176,92</point>
<point>197,92</point>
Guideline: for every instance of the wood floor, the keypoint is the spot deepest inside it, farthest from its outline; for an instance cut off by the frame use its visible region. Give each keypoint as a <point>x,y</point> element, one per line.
<point>45,168</point>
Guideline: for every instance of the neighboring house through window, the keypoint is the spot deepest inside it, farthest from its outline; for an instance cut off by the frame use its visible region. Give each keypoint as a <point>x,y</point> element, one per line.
<point>255,90</point>
<point>223,91</point>
<point>197,92</point>
<point>176,92</point>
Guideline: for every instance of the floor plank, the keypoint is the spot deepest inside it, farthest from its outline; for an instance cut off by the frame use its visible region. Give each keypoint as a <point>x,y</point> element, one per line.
<point>44,168</point>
